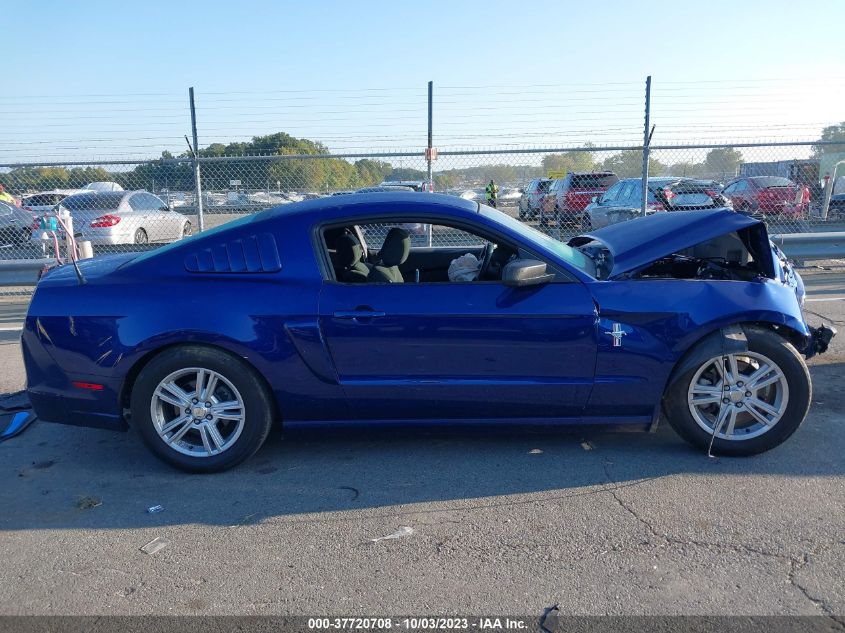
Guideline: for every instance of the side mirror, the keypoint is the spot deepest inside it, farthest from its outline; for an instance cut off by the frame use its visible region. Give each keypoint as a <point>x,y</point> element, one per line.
<point>596,199</point>
<point>521,190</point>
<point>525,272</point>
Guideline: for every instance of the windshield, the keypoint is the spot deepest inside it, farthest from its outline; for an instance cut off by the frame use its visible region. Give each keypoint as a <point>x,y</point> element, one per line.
<point>571,256</point>
<point>765,182</point>
<point>593,181</point>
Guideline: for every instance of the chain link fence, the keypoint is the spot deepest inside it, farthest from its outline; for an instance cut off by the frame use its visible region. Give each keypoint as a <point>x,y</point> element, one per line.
<point>133,206</point>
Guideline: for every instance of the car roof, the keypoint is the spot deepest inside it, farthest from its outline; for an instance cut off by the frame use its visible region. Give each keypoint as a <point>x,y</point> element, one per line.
<point>381,199</point>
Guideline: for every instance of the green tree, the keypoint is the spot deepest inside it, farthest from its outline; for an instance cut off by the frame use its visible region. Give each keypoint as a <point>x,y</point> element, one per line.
<point>629,164</point>
<point>684,169</point>
<point>832,133</point>
<point>722,162</point>
<point>569,161</point>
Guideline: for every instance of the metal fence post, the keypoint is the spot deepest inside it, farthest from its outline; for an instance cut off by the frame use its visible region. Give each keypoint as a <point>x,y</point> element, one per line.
<point>646,140</point>
<point>197,183</point>
<point>429,157</point>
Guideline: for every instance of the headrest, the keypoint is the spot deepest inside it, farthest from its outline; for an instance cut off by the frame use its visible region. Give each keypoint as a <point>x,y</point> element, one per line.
<point>349,251</point>
<point>396,247</point>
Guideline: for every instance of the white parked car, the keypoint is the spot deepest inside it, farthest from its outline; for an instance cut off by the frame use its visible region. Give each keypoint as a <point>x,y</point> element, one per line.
<point>103,186</point>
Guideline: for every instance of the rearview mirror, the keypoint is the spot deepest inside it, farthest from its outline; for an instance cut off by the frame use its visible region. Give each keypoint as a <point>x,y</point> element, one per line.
<point>525,272</point>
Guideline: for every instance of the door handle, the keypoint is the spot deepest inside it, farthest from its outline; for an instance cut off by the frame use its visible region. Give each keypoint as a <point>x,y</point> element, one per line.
<point>358,313</point>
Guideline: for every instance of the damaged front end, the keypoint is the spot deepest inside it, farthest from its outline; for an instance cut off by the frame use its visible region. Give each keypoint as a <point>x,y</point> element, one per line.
<point>820,338</point>
<point>709,247</point>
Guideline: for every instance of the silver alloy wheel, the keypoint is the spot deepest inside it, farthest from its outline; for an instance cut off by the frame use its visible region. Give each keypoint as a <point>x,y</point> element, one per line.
<point>740,395</point>
<point>197,412</point>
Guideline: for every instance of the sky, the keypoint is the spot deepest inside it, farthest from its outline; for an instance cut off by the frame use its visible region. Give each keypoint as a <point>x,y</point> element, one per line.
<point>100,80</point>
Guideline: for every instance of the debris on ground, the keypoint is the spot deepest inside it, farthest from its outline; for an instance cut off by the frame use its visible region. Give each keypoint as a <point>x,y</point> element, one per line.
<point>155,509</point>
<point>546,614</point>
<point>17,401</point>
<point>402,531</point>
<point>85,502</point>
<point>156,545</point>
<point>12,424</point>
<point>587,446</point>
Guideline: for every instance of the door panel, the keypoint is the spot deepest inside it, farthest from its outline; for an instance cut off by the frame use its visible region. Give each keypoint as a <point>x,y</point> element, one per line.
<point>461,350</point>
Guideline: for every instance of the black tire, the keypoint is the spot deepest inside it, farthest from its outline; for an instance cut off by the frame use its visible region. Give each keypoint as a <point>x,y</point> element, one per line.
<point>141,237</point>
<point>258,405</point>
<point>790,362</point>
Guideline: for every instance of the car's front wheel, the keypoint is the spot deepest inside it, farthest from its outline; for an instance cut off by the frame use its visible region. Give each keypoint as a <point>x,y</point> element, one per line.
<point>201,409</point>
<point>751,400</point>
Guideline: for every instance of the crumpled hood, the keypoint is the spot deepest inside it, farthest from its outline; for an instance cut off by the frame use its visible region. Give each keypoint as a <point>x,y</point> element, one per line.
<point>641,241</point>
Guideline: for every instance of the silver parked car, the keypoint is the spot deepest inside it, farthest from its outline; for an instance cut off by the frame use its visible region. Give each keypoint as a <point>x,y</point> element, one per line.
<point>44,201</point>
<point>123,217</point>
<point>15,225</point>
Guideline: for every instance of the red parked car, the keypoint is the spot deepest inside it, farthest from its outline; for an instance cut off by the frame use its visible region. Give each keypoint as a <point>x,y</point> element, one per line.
<point>770,195</point>
<point>568,197</point>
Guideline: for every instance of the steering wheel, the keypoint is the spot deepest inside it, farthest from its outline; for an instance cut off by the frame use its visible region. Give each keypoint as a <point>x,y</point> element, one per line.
<point>485,261</point>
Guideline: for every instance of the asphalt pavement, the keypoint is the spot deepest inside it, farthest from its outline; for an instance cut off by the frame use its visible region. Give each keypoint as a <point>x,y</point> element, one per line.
<point>595,522</point>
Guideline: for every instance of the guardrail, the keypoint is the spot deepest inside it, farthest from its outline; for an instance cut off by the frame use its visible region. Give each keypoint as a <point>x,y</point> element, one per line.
<point>797,246</point>
<point>22,272</point>
<point>806,246</point>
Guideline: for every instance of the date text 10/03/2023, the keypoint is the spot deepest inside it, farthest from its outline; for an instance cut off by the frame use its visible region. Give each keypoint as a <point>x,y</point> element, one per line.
<point>418,623</point>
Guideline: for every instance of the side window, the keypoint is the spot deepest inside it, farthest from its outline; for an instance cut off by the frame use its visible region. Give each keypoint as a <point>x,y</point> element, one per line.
<point>741,186</point>
<point>136,202</point>
<point>437,253</point>
<point>155,203</point>
<point>441,236</point>
<point>729,189</point>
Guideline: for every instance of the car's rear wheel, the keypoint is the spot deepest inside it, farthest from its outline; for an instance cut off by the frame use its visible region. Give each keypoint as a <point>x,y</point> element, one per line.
<point>141,237</point>
<point>201,409</point>
<point>751,400</point>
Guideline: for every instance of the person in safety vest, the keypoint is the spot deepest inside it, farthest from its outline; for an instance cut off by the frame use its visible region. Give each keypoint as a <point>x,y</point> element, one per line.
<point>492,192</point>
<point>5,197</point>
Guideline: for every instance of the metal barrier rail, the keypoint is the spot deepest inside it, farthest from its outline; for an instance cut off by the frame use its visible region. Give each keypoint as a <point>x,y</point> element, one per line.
<point>806,246</point>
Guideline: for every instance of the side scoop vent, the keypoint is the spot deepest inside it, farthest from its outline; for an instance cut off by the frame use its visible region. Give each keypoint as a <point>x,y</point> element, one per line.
<point>251,254</point>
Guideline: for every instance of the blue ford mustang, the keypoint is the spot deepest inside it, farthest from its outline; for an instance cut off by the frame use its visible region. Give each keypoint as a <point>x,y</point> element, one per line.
<point>340,311</point>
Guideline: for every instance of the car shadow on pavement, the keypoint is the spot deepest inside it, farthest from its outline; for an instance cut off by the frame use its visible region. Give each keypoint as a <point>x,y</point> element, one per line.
<point>65,477</point>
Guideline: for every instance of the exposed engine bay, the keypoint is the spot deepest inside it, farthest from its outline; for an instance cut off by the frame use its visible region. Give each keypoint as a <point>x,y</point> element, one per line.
<point>722,258</point>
